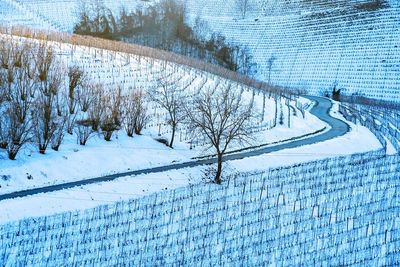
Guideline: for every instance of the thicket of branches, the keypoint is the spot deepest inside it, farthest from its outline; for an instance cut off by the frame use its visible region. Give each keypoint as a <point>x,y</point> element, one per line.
<point>163,26</point>
<point>41,100</point>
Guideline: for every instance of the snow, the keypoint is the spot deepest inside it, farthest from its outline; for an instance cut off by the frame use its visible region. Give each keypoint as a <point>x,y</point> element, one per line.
<point>74,162</point>
<point>356,207</point>
<point>98,158</point>
<point>358,140</point>
<point>90,196</point>
<point>390,149</point>
<point>346,48</point>
<point>250,220</point>
<point>312,52</point>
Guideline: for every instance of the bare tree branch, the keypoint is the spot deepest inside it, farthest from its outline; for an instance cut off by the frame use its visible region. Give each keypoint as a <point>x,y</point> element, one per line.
<point>170,96</point>
<point>222,116</point>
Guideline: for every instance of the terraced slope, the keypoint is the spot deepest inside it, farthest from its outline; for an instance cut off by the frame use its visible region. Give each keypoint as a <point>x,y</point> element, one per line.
<point>341,211</point>
<point>316,46</point>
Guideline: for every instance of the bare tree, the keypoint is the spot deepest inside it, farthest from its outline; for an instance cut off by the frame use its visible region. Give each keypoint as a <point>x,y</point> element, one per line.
<point>107,125</point>
<point>5,54</point>
<point>48,123</point>
<point>111,116</point>
<point>96,109</point>
<point>222,116</point>
<point>16,93</point>
<point>44,115</point>
<point>170,97</point>
<point>76,77</point>
<point>44,121</point>
<point>277,99</point>
<point>84,130</point>
<point>4,64</point>
<point>19,131</point>
<point>3,128</point>
<point>58,134</point>
<point>135,112</point>
<point>85,95</point>
<point>44,60</point>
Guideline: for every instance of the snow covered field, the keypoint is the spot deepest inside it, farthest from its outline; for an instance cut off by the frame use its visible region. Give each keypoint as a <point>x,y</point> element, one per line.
<point>330,203</point>
<point>358,140</point>
<point>338,211</point>
<point>74,162</point>
<point>314,47</point>
<point>98,158</point>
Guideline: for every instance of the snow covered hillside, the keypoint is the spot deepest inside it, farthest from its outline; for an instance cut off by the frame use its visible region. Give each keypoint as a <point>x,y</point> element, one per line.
<point>317,46</point>
<point>58,15</point>
<point>329,212</point>
<point>13,13</point>
<point>133,73</point>
<point>110,152</point>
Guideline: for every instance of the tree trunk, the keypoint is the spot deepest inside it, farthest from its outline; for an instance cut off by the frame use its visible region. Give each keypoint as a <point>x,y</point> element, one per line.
<point>276,113</point>
<point>172,136</point>
<point>263,108</point>
<point>42,148</point>
<point>217,179</point>
<point>71,106</point>
<point>107,135</point>
<point>12,153</point>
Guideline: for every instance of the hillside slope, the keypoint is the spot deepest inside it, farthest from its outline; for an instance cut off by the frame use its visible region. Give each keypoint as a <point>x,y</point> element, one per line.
<point>314,45</point>
<point>318,45</point>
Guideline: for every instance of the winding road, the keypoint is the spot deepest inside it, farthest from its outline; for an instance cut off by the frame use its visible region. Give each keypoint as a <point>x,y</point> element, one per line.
<point>321,110</point>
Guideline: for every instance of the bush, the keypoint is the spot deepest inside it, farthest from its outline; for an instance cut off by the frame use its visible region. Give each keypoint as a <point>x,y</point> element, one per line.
<point>163,141</point>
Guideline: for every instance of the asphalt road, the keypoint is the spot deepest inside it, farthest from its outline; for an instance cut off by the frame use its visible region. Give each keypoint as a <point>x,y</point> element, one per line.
<point>321,110</point>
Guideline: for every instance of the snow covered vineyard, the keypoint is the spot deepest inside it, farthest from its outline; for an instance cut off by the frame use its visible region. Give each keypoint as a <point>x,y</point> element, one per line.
<point>133,73</point>
<point>316,45</point>
<point>341,211</point>
<point>48,15</point>
<point>14,13</point>
<point>383,122</point>
<point>312,45</point>
<point>331,202</point>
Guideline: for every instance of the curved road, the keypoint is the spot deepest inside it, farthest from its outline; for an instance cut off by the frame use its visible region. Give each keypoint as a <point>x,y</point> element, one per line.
<point>320,109</point>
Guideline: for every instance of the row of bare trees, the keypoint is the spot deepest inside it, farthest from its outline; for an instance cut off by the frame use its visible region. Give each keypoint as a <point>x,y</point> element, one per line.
<point>30,81</point>
<point>41,100</point>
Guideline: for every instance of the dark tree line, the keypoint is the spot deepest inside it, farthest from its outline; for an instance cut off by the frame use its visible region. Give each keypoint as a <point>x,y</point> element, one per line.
<point>164,26</point>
